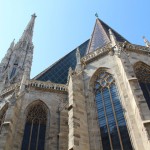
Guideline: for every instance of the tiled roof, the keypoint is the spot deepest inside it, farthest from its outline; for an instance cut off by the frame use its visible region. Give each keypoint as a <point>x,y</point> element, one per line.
<point>100,36</point>
<point>58,72</point>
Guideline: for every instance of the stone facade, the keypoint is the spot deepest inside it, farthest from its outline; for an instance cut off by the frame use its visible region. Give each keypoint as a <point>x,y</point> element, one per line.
<point>71,110</point>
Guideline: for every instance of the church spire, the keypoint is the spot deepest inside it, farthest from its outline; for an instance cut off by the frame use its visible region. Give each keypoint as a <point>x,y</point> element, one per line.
<point>28,32</point>
<point>16,65</point>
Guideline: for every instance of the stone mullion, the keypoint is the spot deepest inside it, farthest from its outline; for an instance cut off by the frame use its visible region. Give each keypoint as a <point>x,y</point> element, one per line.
<point>106,120</point>
<point>115,118</point>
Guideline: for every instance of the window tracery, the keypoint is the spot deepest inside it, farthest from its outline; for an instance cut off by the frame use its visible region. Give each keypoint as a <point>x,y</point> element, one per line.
<point>35,127</point>
<point>111,120</point>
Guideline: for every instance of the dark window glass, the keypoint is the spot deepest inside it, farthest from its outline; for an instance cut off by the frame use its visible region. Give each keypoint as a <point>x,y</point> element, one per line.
<point>35,127</point>
<point>120,118</point>
<point>110,114</point>
<point>146,92</point>
<point>13,72</point>
<point>25,142</point>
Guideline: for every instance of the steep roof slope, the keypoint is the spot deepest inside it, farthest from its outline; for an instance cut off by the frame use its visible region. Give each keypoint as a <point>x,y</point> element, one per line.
<point>58,72</point>
<point>100,36</point>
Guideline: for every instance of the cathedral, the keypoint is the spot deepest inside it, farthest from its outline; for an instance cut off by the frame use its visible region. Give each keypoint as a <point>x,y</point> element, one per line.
<point>97,97</point>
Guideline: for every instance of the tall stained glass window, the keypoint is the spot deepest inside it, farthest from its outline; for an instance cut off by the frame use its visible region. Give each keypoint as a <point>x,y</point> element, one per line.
<point>114,133</point>
<point>35,127</point>
<point>142,72</point>
<point>2,115</point>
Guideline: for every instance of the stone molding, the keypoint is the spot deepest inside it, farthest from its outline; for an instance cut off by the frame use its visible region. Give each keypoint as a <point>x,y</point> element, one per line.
<point>48,85</point>
<point>106,49</point>
<point>37,84</point>
<point>137,48</point>
<point>97,53</point>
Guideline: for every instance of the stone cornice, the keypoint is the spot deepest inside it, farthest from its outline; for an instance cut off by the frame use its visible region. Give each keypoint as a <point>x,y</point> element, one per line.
<point>95,54</point>
<point>106,49</point>
<point>48,86</point>
<point>39,85</point>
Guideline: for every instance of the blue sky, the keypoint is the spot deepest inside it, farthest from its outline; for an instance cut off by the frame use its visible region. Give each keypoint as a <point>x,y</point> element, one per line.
<point>62,25</point>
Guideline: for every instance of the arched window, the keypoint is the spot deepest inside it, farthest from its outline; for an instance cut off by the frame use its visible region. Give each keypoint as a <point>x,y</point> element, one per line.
<point>35,127</point>
<point>142,72</point>
<point>111,120</point>
<point>2,115</point>
<point>14,69</point>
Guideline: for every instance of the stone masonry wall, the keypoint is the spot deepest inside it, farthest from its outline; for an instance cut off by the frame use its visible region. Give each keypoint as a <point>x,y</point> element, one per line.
<point>55,99</point>
<point>115,67</point>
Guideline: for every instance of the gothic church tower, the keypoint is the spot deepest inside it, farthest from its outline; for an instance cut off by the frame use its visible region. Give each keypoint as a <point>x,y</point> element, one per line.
<point>18,58</point>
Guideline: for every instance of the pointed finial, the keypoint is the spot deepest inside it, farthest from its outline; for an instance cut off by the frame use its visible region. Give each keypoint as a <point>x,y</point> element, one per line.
<point>28,32</point>
<point>34,15</point>
<point>78,51</point>
<point>96,15</point>
<point>147,43</point>
<point>78,57</point>
<point>12,44</point>
<point>112,38</point>
<point>70,71</point>
<point>110,32</point>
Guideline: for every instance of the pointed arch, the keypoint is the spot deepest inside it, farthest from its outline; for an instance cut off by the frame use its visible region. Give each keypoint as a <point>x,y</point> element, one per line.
<point>38,101</point>
<point>35,126</point>
<point>112,124</point>
<point>95,74</point>
<point>142,71</point>
<point>14,68</point>
<point>2,115</point>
